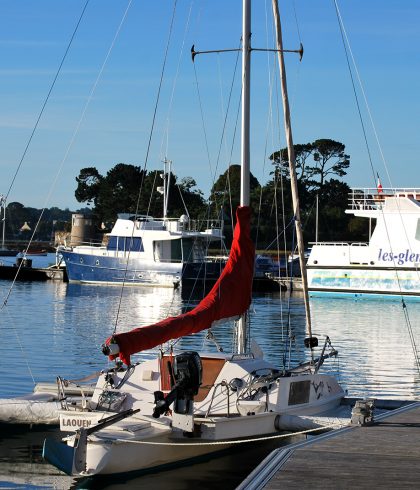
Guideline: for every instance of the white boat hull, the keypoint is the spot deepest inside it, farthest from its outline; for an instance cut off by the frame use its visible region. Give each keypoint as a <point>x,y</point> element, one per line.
<point>386,265</point>
<point>110,456</point>
<point>358,280</point>
<point>140,442</point>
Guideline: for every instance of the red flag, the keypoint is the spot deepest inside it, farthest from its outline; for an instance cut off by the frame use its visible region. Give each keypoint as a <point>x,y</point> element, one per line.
<point>380,189</point>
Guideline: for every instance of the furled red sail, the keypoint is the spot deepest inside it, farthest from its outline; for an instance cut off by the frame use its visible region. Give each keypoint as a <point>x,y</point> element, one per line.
<point>229,297</point>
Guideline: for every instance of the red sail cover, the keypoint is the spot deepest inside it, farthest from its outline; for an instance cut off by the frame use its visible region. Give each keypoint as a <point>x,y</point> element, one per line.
<point>229,297</point>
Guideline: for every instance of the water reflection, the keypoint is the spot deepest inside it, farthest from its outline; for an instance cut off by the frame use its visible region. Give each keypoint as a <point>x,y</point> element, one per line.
<point>373,339</point>
<point>130,308</point>
<point>52,328</point>
<point>21,463</point>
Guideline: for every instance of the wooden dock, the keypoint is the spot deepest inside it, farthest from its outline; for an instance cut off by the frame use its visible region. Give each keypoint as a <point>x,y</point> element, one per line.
<point>33,273</point>
<point>383,455</point>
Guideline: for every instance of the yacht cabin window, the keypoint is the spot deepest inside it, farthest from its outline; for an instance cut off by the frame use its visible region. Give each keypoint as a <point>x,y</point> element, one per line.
<point>125,244</point>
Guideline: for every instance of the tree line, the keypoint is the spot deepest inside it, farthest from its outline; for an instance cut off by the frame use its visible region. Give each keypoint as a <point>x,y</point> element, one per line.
<point>22,222</point>
<point>320,166</point>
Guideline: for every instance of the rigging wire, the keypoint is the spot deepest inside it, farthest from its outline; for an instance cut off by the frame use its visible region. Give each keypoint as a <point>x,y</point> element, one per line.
<point>149,142</point>
<point>347,49</point>
<point>344,36</point>
<point>411,335</point>
<point>47,98</point>
<point>296,21</point>
<point>28,144</point>
<point>269,123</point>
<point>70,145</point>
<point>206,142</point>
<point>223,140</point>
<point>175,80</point>
<point>227,183</point>
<point>214,172</point>
<point>345,46</point>
<point>5,301</point>
<point>346,42</point>
<point>22,349</point>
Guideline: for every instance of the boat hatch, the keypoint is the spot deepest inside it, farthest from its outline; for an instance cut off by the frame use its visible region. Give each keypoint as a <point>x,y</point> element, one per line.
<point>211,369</point>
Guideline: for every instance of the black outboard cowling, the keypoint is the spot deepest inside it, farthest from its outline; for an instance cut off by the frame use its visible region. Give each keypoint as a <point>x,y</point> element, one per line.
<point>187,377</point>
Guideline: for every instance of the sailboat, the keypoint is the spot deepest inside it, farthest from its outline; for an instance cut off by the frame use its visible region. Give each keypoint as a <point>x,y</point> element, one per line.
<point>180,406</point>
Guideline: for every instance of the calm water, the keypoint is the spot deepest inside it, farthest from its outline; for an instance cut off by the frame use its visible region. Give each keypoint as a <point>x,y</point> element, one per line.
<point>52,328</point>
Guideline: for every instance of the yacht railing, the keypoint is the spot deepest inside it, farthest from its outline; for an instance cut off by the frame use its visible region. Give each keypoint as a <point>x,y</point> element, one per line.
<point>184,223</point>
<point>340,244</point>
<point>369,198</point>
<point>196,225</point>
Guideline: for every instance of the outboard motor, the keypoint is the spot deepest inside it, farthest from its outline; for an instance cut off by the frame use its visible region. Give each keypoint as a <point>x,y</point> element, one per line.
<point>186,380</point>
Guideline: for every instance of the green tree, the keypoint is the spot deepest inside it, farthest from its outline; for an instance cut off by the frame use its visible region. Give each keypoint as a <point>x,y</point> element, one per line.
<point>191,198</point>
<point>315,162</point>
<point>333,223</point>
<point>127,188</point>
<point>226,191</point>
<point>280,160</point>
<point>88,183</point>
<point>118,191</point>
<point>330,159</point>
<point>115,193</point>
<point>225,198</point>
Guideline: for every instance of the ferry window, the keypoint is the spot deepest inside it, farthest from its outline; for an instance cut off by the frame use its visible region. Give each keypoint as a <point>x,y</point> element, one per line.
<point>418,230</point>
<point>112,243</point>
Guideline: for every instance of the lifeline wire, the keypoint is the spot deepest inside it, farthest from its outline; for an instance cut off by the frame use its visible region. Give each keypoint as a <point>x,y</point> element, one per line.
<point>240,441</point>
<point>147,155</point>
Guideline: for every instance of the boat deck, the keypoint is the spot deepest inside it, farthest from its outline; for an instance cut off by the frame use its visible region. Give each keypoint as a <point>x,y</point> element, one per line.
<point>385,454</point>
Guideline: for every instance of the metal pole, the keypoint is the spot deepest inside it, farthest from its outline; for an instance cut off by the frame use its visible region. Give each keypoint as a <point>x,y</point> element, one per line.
<point>245,131</point>
<point>246,94</point>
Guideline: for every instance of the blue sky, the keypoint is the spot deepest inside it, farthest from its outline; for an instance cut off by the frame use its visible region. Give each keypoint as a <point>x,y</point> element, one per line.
<point>115,127</point>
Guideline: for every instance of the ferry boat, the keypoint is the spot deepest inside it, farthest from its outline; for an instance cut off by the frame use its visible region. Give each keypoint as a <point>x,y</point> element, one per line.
<point>388,264</point>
